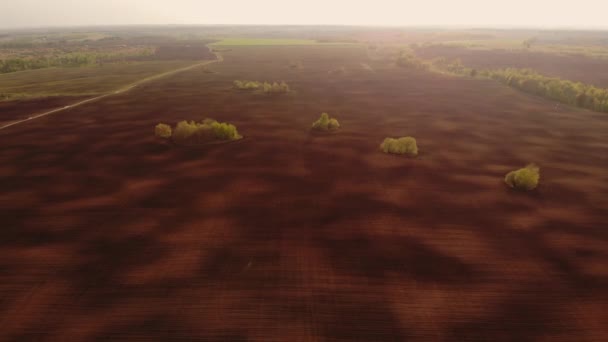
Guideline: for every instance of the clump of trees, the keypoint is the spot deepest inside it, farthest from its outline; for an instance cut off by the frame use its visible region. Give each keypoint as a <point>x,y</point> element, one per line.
<point>409,61</point>
<point>70,59</point>
<point>195,133</point>
<point>564,91</point>
<point>325,123</point>
<point>405,145</point>
<point>524,179</point>
<point>568,92</point>
<point>264,87</point>
<point>163,131</point>
<point>453,67</point>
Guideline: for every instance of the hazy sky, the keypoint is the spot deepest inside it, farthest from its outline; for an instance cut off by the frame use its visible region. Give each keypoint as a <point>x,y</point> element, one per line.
<point>551,13</point>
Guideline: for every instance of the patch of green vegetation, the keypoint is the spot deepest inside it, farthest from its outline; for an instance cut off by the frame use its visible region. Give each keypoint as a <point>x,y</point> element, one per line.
<point>454,67</point>
<point>409,61</point>
<point>265,87</point>
<point>34,60</point>
<point>405,145</point>
<point>93,80</point>
<point>209,130</point>
<point>263,42</point>
<point>274,42</point>
<point>325,123</point>
<point>524,179</point>
<point>568,92</point>
<point>565,91</point>
<point>163,131</point>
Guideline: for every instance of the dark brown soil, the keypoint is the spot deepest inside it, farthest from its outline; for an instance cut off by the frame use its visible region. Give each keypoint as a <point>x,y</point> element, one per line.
<point>287,236</point>
<point>571,67</point>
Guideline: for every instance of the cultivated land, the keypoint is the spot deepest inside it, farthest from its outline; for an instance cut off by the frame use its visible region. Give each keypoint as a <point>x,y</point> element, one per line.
<point>287,235</point>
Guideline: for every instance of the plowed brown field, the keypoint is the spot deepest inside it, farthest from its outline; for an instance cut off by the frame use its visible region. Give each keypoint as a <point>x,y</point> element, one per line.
<point>107,234</point>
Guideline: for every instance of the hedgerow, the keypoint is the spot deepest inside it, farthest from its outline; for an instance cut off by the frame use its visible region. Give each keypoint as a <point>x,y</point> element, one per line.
<point>568,92</point>
<point>405,145</point>
<point>193,133</point>
<point>264,87</point>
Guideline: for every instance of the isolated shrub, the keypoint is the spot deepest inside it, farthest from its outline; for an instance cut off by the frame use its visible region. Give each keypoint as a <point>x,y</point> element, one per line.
<point>163,130</point>
<point>265,87</point>
<point>325,123</point>
<point>405,145</point>
<point>192,133</point>
<point>524,179</point>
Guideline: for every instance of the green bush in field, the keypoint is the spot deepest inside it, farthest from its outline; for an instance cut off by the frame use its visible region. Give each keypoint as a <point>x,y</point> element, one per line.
<point>524,179</point>
<point>405,145</point>
<point>163,130</point>
<point>265,87</point>
<point>247,85</point>
<point>192,133</point>
<point>325,123</point>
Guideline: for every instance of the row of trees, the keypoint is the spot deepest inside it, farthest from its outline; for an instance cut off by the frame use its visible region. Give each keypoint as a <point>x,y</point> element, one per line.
<point>265,87</point>
<point>452,66</point>
<point>568,92</point>
<point>564,91</point>
<point>72,59</point>
<point>409,61</point>
<point>194,133</point>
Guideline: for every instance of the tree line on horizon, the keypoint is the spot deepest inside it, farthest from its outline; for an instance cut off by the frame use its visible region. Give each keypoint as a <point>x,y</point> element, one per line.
<point>72,59</point>
<point>530,81</point>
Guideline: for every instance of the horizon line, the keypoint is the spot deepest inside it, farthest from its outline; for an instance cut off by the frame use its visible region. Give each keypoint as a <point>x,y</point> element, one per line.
<point>386,26</point>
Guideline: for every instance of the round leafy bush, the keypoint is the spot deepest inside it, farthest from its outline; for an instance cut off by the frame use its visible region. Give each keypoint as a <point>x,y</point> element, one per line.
<point>524,179</point>
<point>405,145</point>
<point>325,123</point>
<point>163,130</point>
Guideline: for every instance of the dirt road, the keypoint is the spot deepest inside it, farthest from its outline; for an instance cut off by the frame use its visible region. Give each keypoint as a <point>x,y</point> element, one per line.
<point>116,92</point>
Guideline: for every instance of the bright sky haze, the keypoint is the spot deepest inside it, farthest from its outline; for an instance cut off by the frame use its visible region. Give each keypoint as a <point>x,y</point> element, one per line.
<point>474,13</point>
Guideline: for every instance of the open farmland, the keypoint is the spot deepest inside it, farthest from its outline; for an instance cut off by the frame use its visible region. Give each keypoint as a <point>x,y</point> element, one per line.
<point>109,234</point>
<point>32,92</point>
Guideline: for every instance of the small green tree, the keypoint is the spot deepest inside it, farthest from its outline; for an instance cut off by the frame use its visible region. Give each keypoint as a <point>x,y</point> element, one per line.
<point>524,179</point>
<point>163,130</point>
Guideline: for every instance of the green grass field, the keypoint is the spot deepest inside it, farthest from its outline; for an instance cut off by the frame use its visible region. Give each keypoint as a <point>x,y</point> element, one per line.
<point>92,80</point>
<point>269,42</point>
